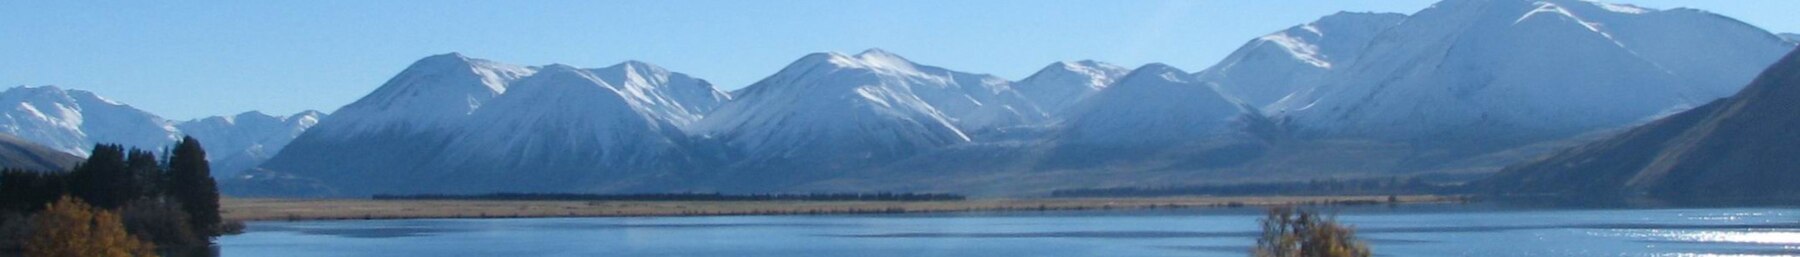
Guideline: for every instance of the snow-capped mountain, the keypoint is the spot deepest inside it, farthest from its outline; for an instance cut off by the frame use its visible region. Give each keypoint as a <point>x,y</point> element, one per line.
<point>1061,85</point>
<point>450,123</point>
<point>1156,105</point>
<point>242,141</point>
<point>676,97</point>
<point>1515,69</point>
<point>436,91</point>
<point>566,125</point>
<point>74,120</point>
<point>1293,62</point>
<point>863,108</point>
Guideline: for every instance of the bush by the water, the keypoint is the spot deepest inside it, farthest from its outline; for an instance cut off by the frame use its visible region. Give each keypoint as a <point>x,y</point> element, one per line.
<point>171,202</point>
<point>1290,232</point>
<point>72,228</point>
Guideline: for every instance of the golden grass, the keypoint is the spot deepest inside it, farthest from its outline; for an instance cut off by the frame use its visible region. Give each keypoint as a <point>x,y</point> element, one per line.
<point>330,209</point>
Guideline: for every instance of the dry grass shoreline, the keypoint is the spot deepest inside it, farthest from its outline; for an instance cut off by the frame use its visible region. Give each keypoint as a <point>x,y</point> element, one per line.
<point>358,209</point>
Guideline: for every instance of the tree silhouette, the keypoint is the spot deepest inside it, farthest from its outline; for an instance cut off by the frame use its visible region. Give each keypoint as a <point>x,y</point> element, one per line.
<point>191,184</point>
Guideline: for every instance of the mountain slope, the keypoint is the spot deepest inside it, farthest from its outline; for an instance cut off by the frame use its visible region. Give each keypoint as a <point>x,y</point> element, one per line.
<point>1791,37</point>
<point>1159,113</point>
<point>1062,85</point>
<point>1739,147</point>
<point>836,110</point>
<point>239,142</point>
<point>1155,105</point>
<point>454,124</point>
<point>435,91</point>
<point>17,153</point>
<point>561,128</point>
<point>1294,61</point>
<point>677,97</point>
<point>73,121</point>
<point>1496,71</point>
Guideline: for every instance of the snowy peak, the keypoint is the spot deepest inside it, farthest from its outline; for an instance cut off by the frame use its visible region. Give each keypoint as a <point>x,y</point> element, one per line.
<point>1155,105</point>
<point>872,60</point>
<point>432,91</point>
<point>242,141</point>
<point>449,122</point>
<point>1291,64</point>
<point>74,120</point>
<point>562,105</point>
<point>1530,69</point>
<point>678,97</point>
<point>1061,85</point>
<point>864,108</point>
<point>1334,38</point>
<point>1157,73</point>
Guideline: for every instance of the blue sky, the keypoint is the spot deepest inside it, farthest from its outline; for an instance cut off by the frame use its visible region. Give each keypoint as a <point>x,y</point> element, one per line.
<point>188,59</point>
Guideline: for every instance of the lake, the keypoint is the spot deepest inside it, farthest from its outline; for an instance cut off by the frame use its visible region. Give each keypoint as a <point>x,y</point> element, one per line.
<point>1408,230</point>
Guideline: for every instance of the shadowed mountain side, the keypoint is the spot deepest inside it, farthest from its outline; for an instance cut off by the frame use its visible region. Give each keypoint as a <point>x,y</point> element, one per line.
<point>16,153</point>
<point>1739,147</point>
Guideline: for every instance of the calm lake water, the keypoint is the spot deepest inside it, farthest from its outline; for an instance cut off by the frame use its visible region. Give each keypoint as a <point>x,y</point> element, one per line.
<point>1425,230</point>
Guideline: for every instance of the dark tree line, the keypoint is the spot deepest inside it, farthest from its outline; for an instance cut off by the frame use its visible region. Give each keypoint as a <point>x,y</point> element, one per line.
<point>891,197</point>
<point>1388,186</point>
<point>172,202</point>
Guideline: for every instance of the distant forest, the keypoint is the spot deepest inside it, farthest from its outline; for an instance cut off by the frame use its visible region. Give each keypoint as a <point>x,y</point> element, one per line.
<point>882,197</point>
<point>1389,186</point>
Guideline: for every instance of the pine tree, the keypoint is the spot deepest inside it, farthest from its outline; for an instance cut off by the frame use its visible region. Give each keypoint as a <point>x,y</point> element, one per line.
<point>146,174</point>
<point>191,184</point>
<point>105,179</point>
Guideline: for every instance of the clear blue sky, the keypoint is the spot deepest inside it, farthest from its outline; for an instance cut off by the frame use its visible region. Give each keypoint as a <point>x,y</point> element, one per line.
<point>188,59</point>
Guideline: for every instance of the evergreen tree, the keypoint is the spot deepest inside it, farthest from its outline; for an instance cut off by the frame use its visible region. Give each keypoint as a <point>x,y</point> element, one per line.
<point>28,191</point>
<point>105,179</point>
<point>146,174</point>
<point>191,184</point>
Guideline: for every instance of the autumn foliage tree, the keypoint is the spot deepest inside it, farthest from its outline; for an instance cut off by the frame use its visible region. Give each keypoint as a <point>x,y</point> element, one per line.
<point>72,228</point>
<point>1289,232</point>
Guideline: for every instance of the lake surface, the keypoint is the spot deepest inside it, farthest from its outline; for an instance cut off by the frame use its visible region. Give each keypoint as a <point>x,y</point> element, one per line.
<point>1422,230</point>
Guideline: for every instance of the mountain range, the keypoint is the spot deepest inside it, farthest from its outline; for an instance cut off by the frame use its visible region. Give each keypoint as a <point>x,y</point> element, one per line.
<point>1453,92</point>
<point>72,121</point>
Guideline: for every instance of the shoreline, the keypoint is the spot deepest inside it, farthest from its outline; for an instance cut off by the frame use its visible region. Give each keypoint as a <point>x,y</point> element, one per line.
<point>366,209</point>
